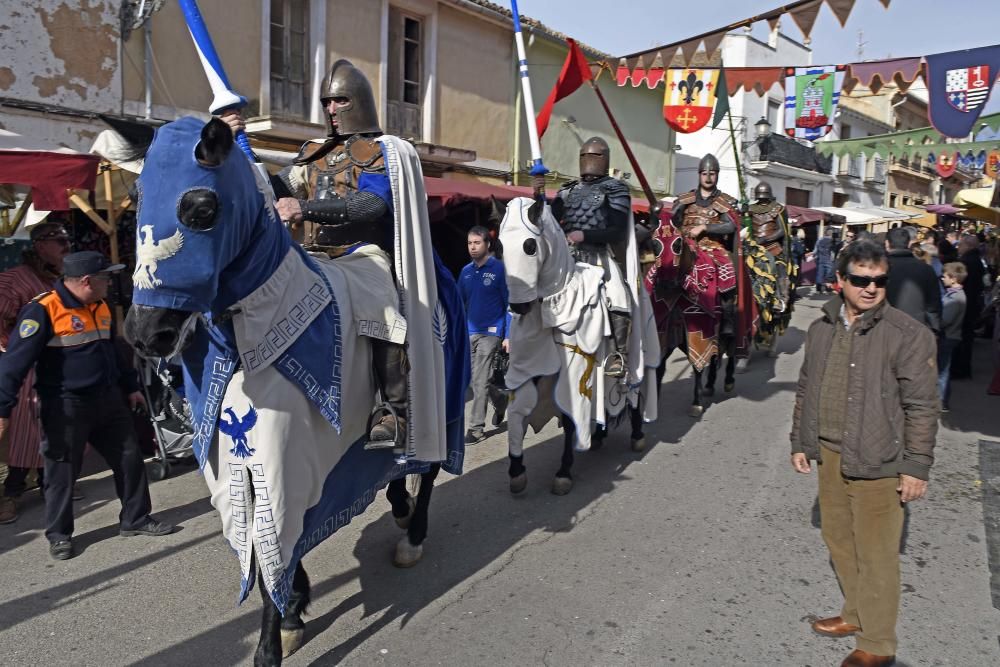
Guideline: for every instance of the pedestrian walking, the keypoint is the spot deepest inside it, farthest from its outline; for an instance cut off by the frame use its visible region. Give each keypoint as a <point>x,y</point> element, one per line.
<point>41,265</point>
<point>866,409</point>
<point>968,253</point>
<point>82,385</point>
<point>824,261</point>
<point>483,286</point>
<point>953,315</point>
<point>913,287</point>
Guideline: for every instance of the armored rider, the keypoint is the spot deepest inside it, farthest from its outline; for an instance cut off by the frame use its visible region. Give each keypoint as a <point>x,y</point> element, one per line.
<point>770,231</point>
<point>337,197</point>
<point>594,213</point>
<point>709,216</point>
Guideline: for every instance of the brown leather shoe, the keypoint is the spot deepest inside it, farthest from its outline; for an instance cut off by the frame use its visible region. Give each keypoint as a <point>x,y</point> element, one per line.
<point>859,658</point>
<point>8,510</point>
<point>834,627</point>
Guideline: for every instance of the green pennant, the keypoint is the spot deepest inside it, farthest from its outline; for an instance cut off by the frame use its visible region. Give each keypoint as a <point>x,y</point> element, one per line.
<point>721,98</point>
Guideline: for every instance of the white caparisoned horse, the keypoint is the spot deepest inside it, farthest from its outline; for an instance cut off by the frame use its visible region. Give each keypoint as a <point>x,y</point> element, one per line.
<point>277,363</point>
<point>559,342</point>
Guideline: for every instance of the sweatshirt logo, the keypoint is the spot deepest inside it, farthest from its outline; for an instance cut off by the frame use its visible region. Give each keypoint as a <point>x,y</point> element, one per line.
<point>28,328</point>
<point>76,324</point>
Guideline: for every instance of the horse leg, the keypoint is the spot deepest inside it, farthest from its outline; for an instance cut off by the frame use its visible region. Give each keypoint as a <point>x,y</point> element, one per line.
<point>518,412</point>
<point>696,407</point>
<point>713,371</point>
<point>268,653</point>
<point>293,629</point>
<point>661,370</point>
<point>401,501</point>
<point>598,436</point>
<point>410,548</point>
<point>772,349</point>
<point>730,383</point>
<point>563,482</point>
<point>638,438</point>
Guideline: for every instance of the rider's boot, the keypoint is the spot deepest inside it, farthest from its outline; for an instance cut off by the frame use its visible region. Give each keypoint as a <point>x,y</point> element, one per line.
<point>617,364</point>
<point>390,364</point>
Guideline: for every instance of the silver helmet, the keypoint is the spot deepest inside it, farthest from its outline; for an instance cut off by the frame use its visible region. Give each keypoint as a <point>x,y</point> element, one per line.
<point>359,115</point>
<point>763,191</point>
<point>595,158</point>
<point>708,163</point>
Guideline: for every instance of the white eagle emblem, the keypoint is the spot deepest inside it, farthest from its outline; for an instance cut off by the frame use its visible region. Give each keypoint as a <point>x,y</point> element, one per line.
<point>149,253</point>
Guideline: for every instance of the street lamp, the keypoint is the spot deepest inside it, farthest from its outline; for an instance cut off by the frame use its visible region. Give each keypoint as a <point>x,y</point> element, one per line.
<point>763,128</point>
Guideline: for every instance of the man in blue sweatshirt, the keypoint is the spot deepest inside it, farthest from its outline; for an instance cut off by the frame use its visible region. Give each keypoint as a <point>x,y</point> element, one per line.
<point>483,285</point>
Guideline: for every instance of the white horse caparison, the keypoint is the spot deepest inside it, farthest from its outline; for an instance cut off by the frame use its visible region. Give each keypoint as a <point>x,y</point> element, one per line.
<point>559,341</point>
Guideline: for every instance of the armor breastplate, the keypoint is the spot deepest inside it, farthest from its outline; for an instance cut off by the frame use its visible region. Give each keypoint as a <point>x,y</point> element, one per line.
<point>586,207</point>
<point>695,215</point>
<point>767,226</point>
<point>336,174</point>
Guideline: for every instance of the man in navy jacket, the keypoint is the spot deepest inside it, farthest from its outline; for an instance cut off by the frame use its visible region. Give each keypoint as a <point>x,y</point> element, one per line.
<point>483,285</point>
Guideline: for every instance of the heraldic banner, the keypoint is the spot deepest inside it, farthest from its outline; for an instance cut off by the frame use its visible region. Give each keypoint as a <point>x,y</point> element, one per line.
<point>959,85</point>
<point>811,97</point>
<point>689,98</point>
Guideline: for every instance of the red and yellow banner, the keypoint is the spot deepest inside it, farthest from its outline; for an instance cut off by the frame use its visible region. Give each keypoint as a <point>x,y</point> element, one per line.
<point>689,98</point>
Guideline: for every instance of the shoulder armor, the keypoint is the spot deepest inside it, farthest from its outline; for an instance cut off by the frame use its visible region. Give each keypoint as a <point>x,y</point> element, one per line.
<point>568,185</point>
<point>613,186</point>
<point>731,201</point>
<point>307,152</point>
<point>687,198</point>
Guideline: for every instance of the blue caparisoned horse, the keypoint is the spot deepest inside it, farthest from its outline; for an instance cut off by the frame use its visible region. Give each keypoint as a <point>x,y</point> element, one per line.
<point>276,367</point>
<point>559,343</point>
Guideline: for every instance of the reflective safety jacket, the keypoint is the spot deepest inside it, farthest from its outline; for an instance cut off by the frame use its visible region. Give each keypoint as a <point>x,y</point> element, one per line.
<point>71,345</point>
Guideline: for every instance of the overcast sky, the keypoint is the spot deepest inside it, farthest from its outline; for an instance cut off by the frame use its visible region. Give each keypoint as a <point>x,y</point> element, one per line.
<point>907,28</point>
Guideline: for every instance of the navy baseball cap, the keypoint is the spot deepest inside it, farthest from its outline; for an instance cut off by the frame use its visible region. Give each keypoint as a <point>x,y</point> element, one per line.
<point>87,263</point>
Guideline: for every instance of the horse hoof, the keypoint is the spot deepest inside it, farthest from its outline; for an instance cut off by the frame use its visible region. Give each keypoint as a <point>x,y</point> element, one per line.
<point>773,354</point>
<point>741,365</point>
<point>519,484</point>
<point>639,444</point>
<point>696,411</point>
<point>708,391</point>
<point>729,386</point>
<point>562,485</point>
<point>407,555</point>
<point>596,443</point>
<point>404,521</point>
<point>291,641</point>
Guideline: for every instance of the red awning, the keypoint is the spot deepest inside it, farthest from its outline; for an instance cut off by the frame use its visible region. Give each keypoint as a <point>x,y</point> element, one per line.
<point>48,170</point>
<point>800,215</point>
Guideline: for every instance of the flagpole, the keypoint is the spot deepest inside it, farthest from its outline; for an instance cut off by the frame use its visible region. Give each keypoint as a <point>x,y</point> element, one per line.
<point>740,268</point>
<point>654,202</point>
<point>537,167</point>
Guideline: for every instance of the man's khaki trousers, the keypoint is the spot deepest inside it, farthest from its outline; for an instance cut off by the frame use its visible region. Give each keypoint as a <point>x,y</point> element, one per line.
<point>862,523</point>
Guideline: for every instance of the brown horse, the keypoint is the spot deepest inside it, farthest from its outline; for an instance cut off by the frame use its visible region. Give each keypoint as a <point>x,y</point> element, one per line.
<point>683,284</point>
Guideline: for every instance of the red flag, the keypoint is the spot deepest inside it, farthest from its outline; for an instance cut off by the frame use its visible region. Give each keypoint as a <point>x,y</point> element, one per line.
<point>574,72</point>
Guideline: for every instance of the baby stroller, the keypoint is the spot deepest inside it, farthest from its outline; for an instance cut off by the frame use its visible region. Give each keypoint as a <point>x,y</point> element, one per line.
<point>169,414</point>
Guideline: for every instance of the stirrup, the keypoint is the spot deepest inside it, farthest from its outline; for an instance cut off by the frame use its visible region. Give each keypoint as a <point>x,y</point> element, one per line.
<point>396,443</point>
<point>610,358</point>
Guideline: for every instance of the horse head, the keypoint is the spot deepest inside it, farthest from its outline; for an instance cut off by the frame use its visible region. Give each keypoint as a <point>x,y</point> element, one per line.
<point>675,261</point>
<point>206,234</point>
<point>525,252</point>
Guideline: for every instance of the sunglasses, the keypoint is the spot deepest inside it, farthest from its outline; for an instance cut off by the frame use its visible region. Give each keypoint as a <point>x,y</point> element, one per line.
<point>862,282</point>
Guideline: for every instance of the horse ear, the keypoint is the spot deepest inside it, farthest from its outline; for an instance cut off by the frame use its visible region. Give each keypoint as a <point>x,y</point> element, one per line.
<point>535,211</point>
<point>216,142</point>
<point>496,211</point>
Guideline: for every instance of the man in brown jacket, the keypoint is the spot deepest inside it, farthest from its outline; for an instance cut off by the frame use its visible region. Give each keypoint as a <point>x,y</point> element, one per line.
<point>866,410</point>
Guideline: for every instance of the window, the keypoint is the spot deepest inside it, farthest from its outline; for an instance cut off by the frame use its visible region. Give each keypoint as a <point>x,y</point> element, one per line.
<point>774,115</point>
<point>839,199</point>
<point>797,197</point>
<point>405,75</point>
<point>906,201</point>
<point>892,201</point>
<point>289,69</point>
<point>845,131</point>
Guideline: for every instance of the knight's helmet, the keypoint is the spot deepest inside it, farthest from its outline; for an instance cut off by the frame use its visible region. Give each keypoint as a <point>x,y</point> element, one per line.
<point>708,163</point>
<point>763,191</point>
<point>595,158</point>
<point>359,115</point>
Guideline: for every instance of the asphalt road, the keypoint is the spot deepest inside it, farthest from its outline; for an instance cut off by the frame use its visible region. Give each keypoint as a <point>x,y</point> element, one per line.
<point>704,550</point>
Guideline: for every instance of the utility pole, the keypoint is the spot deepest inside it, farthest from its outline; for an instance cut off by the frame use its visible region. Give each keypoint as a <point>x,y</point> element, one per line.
<point>861,45</point>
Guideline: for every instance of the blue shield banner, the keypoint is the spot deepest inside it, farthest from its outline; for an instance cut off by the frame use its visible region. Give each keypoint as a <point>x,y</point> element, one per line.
<point>959,84</point>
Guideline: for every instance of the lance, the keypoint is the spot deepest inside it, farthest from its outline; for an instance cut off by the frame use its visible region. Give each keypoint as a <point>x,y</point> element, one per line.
<point>537,168</point>
<point>654,202</point>
<point>224,97</point>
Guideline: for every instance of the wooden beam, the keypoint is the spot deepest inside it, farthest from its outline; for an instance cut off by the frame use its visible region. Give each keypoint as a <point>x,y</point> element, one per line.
<point>19,216</point>
<point>82,204</point>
